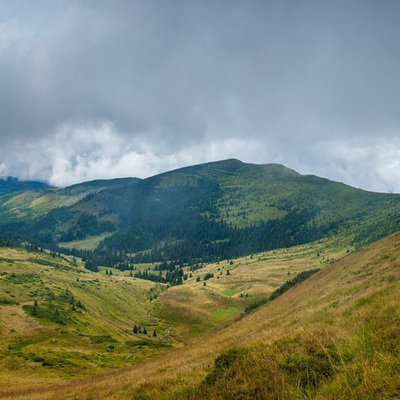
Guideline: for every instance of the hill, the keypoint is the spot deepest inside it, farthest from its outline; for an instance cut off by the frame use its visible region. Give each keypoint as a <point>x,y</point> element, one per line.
<point>59,321</point>
<point>333,336</point>
<point>202,213</point>
<point>11,185</point>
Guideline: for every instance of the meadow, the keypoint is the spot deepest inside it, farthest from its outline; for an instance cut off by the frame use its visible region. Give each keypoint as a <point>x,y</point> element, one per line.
<point>60,322</point>
<point>332,336</point>
<point>335,336</point>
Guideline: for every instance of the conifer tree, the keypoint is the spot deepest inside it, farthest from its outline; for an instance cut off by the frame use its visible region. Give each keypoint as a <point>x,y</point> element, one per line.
<point>34,310</point>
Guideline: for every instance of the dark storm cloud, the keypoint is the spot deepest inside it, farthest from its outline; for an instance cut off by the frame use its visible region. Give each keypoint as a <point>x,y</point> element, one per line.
<point>107,88</point>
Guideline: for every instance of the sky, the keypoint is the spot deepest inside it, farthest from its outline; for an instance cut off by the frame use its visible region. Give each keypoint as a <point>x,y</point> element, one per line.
<point>94,89</point>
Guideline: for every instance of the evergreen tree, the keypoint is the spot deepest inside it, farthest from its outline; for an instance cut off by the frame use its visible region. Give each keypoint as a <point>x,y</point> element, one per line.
<point>35,305</point>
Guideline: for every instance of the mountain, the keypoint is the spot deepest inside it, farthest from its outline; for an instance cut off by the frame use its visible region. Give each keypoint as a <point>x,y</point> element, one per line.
<point>32,214</point>
<point>206,212</point>
<point>241,327</point>
<point>11,185</point>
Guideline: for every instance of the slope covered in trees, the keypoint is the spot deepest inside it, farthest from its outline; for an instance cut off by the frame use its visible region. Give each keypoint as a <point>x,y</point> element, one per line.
<point>201,213</point>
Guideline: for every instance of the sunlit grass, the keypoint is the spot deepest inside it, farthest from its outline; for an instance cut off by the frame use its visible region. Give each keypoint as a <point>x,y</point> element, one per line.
<point>89,243</point>
<point>223,315</point>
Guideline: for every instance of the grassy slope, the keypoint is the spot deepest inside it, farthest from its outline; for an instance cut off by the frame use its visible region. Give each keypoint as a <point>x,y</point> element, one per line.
<point>334,336</point>
<point>33,204</point>
<point>193,309</point>
<point>81,324</point>
<point>253,193</point>
<point>89,243</point>
<point>36,203</point>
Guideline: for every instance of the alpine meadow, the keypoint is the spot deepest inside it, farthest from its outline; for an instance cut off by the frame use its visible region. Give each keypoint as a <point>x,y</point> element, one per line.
<point>223,280</point>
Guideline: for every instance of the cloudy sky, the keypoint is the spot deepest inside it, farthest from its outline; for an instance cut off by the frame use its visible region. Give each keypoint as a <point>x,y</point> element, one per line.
<point>108,88</point>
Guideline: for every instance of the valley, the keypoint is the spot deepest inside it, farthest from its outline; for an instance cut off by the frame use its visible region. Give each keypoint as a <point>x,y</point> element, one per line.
<point>223,280</point>
<point>61,321</point>
<point>333,336</point>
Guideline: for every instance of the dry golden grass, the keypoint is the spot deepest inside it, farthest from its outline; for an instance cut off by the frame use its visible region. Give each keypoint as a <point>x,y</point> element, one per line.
<point>15,324</point>
<point>333,336</point>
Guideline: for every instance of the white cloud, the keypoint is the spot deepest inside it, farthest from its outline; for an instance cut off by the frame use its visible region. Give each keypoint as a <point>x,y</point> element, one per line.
<point>3,170</point>
<point>312,86</point>
<point>368,164</point>
<point>88,150</point>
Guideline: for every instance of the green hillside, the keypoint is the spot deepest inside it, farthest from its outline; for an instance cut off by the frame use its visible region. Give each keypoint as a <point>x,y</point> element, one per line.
<point>12,185</point>
<point>222,311</point>
<point>334,336</point>
<point>59,321</point>
<point>202,213</point>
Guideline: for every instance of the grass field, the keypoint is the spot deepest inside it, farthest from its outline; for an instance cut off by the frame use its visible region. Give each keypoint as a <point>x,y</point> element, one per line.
<point>334,336</point>
<point>90,243</point>
<point>61,322</point>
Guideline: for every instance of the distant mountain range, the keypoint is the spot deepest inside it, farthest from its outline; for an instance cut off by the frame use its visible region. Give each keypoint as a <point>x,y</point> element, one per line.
<point>10,184</point>
<point>205,212</point>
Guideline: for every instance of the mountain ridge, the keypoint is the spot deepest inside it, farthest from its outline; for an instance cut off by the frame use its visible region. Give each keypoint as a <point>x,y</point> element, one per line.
<point>11,184</point>
<point>333,336</point>
<point>214,210</point>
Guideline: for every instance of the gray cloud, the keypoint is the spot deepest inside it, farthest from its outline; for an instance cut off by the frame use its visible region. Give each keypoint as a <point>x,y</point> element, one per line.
<point>105,88</point>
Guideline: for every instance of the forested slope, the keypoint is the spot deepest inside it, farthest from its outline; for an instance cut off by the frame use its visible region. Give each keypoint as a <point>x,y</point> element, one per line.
<point>201,213</point>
